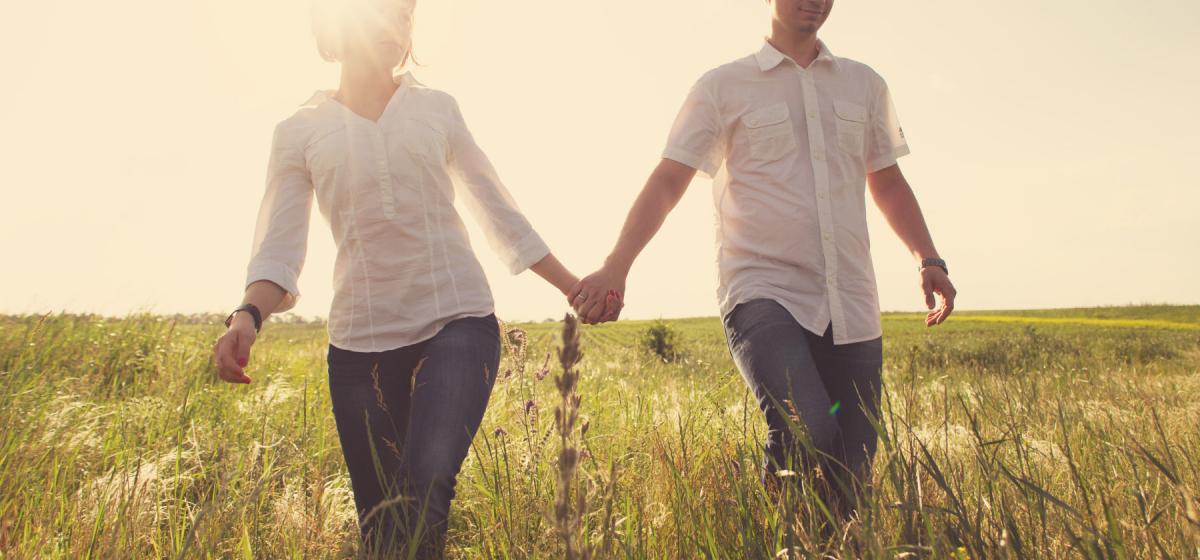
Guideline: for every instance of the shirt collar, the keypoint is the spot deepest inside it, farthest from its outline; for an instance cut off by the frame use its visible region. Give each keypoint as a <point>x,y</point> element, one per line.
<point>769,57</point>
<point>405,78</point>
<point>402,77</point>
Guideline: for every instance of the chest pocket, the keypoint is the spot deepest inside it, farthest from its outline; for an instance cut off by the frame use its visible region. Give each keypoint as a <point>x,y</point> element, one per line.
<point>851,126</point>
<point>769,132</point>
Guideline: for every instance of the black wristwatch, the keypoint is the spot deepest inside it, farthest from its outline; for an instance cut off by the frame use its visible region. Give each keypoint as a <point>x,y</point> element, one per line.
<point>926,263</point>
<point>252,310</point>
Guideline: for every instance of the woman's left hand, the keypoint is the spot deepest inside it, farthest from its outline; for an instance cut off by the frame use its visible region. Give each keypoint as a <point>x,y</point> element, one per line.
<point>591,297</point>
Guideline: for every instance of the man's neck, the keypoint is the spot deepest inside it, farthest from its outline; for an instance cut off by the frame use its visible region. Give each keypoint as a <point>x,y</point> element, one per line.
<point>798,46</point>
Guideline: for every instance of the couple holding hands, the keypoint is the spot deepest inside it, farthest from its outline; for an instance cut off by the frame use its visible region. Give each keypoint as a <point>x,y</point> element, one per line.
<point>793,137</point>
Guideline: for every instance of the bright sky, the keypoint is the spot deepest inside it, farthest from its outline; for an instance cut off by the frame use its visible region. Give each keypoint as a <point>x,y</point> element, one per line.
<point>1054,143</point>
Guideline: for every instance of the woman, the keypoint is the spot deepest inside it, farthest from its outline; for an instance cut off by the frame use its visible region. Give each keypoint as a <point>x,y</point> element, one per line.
<point>413,342</point>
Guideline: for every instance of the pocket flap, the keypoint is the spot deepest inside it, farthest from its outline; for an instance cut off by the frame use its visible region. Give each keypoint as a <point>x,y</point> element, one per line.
<point>850,111</point>
<point>766,116</point>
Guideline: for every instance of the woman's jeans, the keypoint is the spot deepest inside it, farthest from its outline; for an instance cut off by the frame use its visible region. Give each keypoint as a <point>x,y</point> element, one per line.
<point>829,392</point>
<point>406,418</point>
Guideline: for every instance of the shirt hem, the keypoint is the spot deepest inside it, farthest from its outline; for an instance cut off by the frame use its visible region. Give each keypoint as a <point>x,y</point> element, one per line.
<point>856,340</point>
<point>806,325</point>
<point>440,324</point>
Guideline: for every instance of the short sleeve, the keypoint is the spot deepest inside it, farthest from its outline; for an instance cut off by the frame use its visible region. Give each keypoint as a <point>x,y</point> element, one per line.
<point>281,230</point>
<point>508,232</point>
<point>697,137</point>
<point>885,138</point>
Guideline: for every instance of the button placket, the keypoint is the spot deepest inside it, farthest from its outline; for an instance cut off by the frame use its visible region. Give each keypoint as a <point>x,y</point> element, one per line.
<point>816,140</point>
<point>383,173</point>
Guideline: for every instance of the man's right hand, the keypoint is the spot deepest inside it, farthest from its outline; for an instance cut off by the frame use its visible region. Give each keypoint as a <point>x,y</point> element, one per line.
<point>232,350</point>
<point>935,282</point>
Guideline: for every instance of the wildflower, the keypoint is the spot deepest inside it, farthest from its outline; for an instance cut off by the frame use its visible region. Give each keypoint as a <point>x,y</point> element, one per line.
<point>542,373</point>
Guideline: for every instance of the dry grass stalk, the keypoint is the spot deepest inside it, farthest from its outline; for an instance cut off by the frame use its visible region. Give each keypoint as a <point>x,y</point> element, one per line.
<point>568,512</point>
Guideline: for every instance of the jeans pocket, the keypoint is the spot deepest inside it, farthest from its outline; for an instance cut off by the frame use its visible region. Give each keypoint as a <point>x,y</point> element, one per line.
<point>749,316</point>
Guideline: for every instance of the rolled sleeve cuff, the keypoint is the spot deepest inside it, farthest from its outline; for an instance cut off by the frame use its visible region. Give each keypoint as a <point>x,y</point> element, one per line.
<point>280,274</point>
<point>526,253</point>
<point>691,160</point>
<point>887,160</point>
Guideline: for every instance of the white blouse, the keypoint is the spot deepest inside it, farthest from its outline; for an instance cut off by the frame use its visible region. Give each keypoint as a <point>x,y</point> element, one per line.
<point>404,264</point>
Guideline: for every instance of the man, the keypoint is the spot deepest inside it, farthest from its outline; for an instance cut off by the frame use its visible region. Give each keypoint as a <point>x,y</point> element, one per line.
<point>791,135</point>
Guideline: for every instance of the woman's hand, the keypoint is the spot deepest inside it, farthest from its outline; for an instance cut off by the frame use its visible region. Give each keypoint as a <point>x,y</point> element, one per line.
<point>599,297</point>
<point>613,304</point>
<point>232,350</point>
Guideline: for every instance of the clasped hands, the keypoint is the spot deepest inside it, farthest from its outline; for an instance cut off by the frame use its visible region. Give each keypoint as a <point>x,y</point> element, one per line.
<point>598,297</point>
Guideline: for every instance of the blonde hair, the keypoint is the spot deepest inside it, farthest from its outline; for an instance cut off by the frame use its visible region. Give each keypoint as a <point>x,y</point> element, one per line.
<point>329,21</point>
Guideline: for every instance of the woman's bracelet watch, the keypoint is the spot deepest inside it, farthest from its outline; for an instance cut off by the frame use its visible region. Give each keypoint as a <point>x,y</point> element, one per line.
<point>252,310</point>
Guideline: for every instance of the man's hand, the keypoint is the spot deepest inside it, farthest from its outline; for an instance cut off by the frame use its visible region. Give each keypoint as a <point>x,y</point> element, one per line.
<point>599,297</point>
<point>935,281</point>
<point>232,350</point>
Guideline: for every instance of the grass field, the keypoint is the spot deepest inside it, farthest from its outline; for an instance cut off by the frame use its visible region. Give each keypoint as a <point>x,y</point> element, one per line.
<point>1040,434</point>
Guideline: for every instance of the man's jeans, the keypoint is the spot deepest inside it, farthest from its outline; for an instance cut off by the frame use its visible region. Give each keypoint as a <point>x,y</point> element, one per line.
<point>831,393</point>
<point>406,418</point>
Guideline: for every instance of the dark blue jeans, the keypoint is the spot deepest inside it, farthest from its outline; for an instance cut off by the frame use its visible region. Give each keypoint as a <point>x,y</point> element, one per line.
<point>406,418</point>
<point>829,391</point>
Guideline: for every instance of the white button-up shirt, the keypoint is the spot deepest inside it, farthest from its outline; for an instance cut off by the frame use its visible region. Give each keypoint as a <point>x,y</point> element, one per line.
<point>789,149</point>
<point>404,264</point>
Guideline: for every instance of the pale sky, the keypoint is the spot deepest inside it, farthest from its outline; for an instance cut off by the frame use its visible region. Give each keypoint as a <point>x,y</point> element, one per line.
<point>1053,142</point>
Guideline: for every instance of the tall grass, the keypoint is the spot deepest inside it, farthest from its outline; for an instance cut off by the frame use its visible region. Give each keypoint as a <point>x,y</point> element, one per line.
<point>998,440</point>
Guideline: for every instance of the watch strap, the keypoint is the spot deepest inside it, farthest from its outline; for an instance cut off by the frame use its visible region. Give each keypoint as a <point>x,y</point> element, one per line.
<point>252,310</point>
<point>926,263</point>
